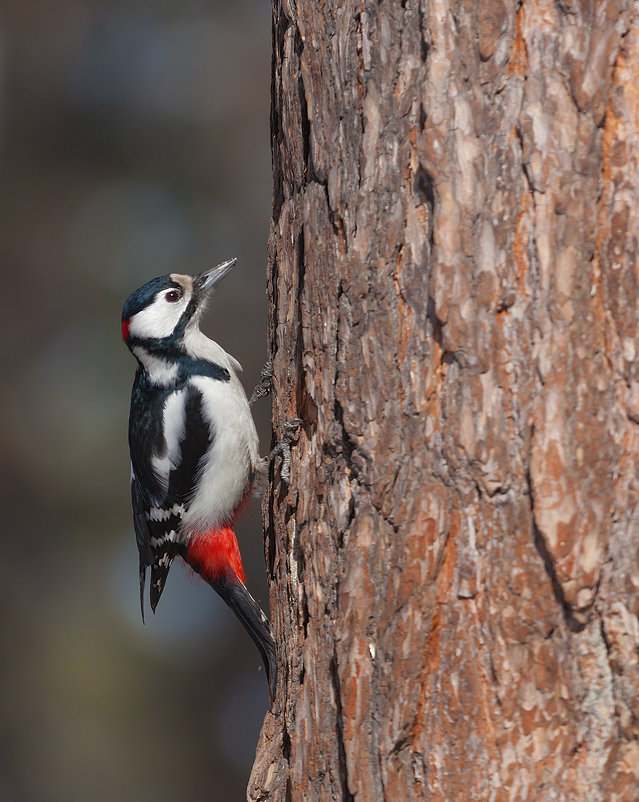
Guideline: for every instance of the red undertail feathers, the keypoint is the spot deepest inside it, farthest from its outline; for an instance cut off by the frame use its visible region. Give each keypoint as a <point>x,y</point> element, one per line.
<point>215,554</point>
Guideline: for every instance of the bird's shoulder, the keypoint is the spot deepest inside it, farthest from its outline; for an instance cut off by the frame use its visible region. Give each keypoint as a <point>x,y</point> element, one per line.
<point>200,347</point>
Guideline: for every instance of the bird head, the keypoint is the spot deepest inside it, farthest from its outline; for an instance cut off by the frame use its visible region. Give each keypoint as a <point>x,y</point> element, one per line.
<point>158,314</point>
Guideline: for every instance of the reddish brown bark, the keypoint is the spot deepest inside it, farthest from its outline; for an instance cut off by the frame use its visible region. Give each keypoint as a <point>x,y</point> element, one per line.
<point>453,280</point>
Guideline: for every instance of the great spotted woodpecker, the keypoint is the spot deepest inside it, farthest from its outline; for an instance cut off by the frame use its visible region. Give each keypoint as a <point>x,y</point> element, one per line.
<point>194,447</point>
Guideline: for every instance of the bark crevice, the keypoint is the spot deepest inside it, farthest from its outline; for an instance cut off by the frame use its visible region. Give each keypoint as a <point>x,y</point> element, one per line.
<point>575,624</point>
<point>347,796</point>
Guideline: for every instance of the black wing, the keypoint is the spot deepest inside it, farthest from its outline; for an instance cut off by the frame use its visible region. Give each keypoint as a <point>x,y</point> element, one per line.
<point>142,535</point>
<point>161,496</point>
<point>146,437</point>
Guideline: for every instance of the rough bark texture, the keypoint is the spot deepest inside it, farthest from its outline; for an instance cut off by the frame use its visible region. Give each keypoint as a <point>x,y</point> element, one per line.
<point>453,279</point>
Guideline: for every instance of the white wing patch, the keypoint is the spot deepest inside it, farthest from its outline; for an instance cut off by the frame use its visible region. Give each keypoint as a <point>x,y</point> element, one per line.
<point>158,541</point>
<point>164,513</point>
<point>173,426</point>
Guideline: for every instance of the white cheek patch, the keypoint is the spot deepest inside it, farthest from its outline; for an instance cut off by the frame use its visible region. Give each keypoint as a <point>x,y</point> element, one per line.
<point>159,318</point>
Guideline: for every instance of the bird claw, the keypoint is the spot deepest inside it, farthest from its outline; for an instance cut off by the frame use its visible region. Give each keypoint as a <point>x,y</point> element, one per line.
<point>283,448</point>
<point>264,386</point>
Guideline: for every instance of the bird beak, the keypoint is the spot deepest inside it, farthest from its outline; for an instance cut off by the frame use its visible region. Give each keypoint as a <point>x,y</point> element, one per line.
<point>209,278</point>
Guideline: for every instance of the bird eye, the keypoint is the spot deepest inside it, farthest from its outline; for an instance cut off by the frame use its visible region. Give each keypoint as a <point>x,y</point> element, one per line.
<point>172,296</point>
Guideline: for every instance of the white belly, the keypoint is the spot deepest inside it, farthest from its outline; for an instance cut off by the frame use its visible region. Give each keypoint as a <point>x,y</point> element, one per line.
<point>228,464</point>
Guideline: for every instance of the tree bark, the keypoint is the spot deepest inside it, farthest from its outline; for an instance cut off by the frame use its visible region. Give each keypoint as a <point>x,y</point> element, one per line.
<point>453,284</point>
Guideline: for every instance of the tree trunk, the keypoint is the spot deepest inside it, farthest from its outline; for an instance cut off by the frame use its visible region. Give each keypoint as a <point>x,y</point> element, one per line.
<point>453,283</point>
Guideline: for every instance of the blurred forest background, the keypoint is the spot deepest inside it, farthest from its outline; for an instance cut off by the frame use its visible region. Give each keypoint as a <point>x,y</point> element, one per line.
<point>134,141</point>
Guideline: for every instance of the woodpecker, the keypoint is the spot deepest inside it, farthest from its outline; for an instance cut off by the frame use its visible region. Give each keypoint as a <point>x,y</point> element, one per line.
<point>194,447</point>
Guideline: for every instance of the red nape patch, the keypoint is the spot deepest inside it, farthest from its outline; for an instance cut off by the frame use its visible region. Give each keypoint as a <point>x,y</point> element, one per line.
<point>215,553</point>
<point>125,330</point>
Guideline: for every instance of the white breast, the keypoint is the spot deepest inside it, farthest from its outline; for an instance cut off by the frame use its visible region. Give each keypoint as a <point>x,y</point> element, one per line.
<point>229,462</point>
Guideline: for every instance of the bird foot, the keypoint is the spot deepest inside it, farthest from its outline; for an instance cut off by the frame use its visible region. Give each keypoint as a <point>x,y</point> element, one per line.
<point>264,386</point>
<point>283,448</point>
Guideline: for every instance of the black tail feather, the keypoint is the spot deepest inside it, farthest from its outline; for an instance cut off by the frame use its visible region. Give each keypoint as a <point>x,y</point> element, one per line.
<point>236,595</point>
<point>142,584</point>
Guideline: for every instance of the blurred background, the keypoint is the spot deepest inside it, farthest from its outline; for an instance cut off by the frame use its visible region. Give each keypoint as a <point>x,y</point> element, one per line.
<point>134,141</point>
